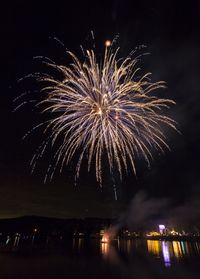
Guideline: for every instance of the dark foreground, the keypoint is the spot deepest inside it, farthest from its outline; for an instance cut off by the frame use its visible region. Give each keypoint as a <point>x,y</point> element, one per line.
<point>82,258</point>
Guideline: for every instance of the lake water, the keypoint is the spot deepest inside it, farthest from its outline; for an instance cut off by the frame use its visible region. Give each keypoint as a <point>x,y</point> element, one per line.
<point>92,259</point>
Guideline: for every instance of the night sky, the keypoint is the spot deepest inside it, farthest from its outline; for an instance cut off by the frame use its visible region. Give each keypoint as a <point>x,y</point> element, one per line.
<point>170,31</point>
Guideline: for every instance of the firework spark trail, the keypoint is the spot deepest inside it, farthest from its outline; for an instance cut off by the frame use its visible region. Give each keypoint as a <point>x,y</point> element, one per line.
<point>101,108</point>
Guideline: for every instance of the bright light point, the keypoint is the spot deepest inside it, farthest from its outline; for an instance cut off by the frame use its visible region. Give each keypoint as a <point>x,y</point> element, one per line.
<point>107,43</point>
<point>161,227</point>
<point>105,239</point>
<point>100,111</point>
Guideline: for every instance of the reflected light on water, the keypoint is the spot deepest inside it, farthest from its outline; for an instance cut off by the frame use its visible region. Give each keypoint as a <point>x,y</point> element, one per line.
<point>154,247</point>
<point>166,254</point>
<point>169,250</point>
<point>78,243</point>
<point>177,249</point>
<point>183,248</point>
<point>197,247</point>
<point>104,243</point>
<point>128,246</point>
<point>104,248</point>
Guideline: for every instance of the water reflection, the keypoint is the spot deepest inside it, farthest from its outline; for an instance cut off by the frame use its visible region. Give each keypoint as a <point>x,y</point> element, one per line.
<point>78,244</point>
<point>104,248</point>
<point>178,253</point>
<point>16,240</point>
<point>154,247</point>
<point>166,254</point>
<point>172,249</point>
<point>119,259</point>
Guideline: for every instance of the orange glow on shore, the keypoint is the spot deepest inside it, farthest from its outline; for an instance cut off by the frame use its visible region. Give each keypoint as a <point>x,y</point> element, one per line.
<point>105,238</point>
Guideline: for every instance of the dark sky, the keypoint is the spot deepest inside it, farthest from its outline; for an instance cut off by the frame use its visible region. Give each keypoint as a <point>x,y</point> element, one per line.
<point>170,30</point>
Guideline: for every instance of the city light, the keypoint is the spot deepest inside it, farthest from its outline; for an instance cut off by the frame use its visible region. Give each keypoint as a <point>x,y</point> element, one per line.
<point>162,229</point>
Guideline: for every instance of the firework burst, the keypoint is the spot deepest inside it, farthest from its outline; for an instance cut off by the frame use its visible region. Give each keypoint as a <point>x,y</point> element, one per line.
<point>101,110</point>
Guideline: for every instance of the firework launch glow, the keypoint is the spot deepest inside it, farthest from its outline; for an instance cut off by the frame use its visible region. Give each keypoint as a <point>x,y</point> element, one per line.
<point>101,110</point>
